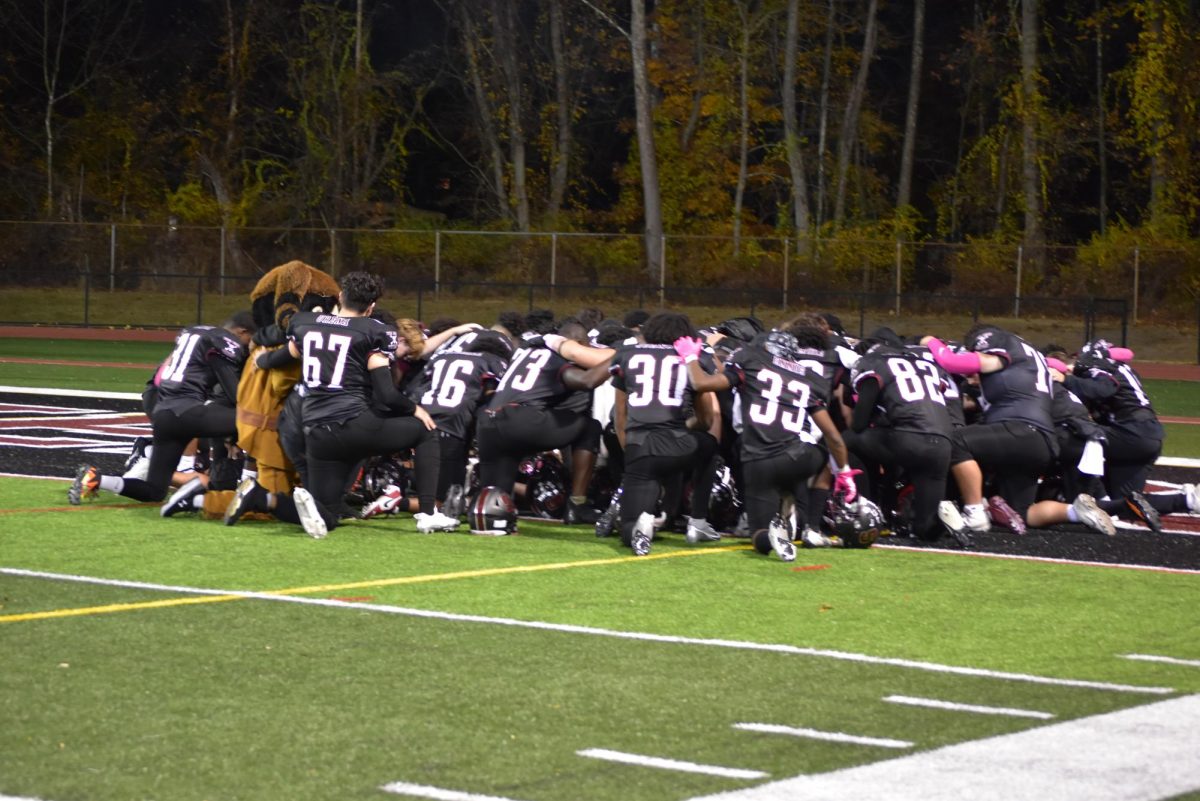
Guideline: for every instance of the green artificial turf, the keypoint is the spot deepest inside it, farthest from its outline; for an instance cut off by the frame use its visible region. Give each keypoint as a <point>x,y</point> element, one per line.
<point>260,699</point>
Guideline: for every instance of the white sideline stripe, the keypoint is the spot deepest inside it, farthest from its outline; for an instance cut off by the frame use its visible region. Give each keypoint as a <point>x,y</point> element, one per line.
<point>1145,753</point>
<point>932,703</point>
<point>778,648</point>
<point>830,736</point>
<point>1170,660</point>
<point>72,393</point>
<point>1177,461</point>
<point>436,793</point>
<point>1047,559</point>
<point>670,764</point>
<point>17,798</point>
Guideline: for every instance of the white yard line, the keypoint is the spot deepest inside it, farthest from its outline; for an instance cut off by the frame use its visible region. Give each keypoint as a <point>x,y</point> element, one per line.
<point>73,393</point>
<point>779,648</point>
<point>1146,753</point>
<point>670,764</point>
<point>1046,559</point>
<point>932,703</point>
<point>436,793</point>
<point>828,736</point>
<point>1169,660</point>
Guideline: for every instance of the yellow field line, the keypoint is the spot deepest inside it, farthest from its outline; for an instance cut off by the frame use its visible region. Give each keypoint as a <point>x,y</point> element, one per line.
<point>355,585</point>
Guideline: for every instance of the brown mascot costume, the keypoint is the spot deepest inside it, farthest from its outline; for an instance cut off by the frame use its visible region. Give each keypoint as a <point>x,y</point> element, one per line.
<point>279,294</point>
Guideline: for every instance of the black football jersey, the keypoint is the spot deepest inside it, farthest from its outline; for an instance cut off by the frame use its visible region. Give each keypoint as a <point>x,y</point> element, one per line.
<point>453,385</point>
<point>911,390</point>
<point>186,378</point>
<point>1128,407</point>
<point>1021,390</point>
<point>533,378</point>
<point>334,351</point>
<point>657,392</point>
<point>777,396</point>
<point>951,390</point>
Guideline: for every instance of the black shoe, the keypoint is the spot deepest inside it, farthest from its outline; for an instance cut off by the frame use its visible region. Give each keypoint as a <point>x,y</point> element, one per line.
<point>181,499</point>
<point>138,451</point>
<point>580,514</point>
<point>248,497</point>
<point>606,524</point>
<point>1139,504</point>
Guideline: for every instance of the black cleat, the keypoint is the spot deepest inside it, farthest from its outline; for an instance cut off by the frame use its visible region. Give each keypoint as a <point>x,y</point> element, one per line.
<point>606,524</point>
<point>247,498</point>
<point>455,504</point>
<point>182,499</point>
<point>1139,504</point>
<point>580,514</point>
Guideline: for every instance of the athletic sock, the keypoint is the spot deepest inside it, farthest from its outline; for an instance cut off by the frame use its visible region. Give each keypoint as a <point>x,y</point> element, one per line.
<point>579,500</point>
<point>112,483</point>
<point>1072,516</point>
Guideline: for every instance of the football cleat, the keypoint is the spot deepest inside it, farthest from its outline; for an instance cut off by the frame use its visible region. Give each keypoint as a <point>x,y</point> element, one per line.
<point>182,500</point>
<point>138,464</point>
<point>952,519</point>
<point>428,523</point>
<point>643,532</point>
<point>85,485</point>
<point>606,524</point>
<point>1004,515</point>
<point>1092,515</point>
<point>580,514</point>
<point>700,530</point>
<point>975,517</point>
<point>781,541</point>
<point>1192,494</point>
<point>310,515</point>
<point>387,503</point>
<point>245,499</point>
<point>811,538</point>
<point>455,504</point>
<point>1139,504</point>
<point>742,529</point>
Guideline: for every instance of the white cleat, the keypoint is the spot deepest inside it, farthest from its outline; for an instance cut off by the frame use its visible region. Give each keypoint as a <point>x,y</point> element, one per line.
<point>1092,515</point>
<point>310,516</point>
<point>781,541</point>
<point>429,523</point>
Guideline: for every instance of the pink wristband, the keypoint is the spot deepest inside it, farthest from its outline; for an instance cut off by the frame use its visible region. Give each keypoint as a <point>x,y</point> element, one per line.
<point>1122,355</point>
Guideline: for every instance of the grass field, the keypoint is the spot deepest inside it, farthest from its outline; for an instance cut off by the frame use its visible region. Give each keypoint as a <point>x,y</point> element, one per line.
<point>179,659</point>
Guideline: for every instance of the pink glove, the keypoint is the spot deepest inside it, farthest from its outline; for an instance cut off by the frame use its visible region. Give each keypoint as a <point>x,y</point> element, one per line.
<point>843,484</point>
<point>688,349</point>
<point>554,341</point>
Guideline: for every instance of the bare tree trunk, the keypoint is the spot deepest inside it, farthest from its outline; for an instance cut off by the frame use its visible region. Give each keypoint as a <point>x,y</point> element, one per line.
<point>651,198</point>
<point>739,194</point>
<point>483,109</point>
<point>850,118</point>
<point>562,149</point>
<point>689,130</point>
<point>1101,135</point>
<point>823,133</point>
<point>506,55</point>
<point>1030,105</point>
<point>904,193</point>
<point>791,134</point>
<point>1158,175</point>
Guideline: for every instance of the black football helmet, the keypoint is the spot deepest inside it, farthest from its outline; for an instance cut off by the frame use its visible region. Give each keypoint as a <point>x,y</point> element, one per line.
<point>492,512</point>
<point>856,523</point>
<point>1095,356</point>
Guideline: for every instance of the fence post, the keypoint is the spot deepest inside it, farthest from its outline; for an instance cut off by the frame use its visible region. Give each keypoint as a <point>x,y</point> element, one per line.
<point>222,260</point>
<point>662,271</point>
<point>1137,259</point>
<point>420,298</point>
<point>1017,296</point>
<point>553,263</point>
<point>899,260</point>
<point>87,299</point>
<point>787,247</point>
<point>862,314</point>
<point>199,300</point>
<point>437,263</point>
<point>531,293</point>
<point>112,257</point>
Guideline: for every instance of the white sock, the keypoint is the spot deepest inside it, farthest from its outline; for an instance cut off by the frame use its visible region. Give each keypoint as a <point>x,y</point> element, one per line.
<point>1072,516</point>
<point>186,464</point>
<point>112,483</point>
<point>249,474</point>
<point>972,508</point>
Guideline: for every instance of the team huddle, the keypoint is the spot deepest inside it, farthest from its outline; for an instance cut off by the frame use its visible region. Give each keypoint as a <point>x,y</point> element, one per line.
<point>318,407</point>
